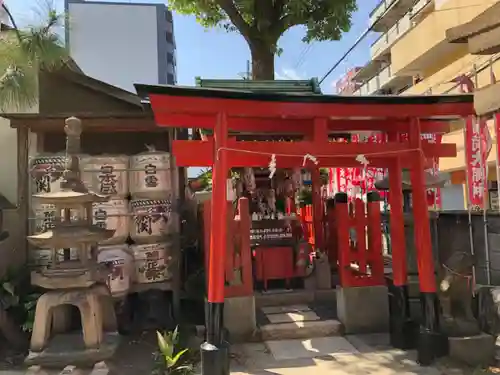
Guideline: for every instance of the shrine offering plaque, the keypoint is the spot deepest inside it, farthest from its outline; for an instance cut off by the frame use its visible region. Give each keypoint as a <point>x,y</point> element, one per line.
<point>271,232</point>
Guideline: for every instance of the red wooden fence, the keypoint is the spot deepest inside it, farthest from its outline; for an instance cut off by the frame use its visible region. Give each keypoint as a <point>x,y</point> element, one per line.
<point>359,243</point>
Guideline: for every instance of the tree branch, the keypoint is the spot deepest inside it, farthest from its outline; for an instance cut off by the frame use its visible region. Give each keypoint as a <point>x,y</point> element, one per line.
<point>286,22</point>
<point>236,18</point>
<point>12,21</point>
<point>278,7</point>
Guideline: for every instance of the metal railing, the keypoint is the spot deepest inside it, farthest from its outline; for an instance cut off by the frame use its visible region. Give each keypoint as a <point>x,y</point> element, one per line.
<point>386,40</point>
<point>418,7</point>
<point>380,9</point>
<point>377,82</point>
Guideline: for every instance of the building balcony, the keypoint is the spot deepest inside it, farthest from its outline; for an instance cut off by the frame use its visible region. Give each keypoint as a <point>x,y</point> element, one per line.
<point>382,46</point>
<point>424,47</point>
<point>388,12</point>
<point>420,10</point>
<point>384,82</point>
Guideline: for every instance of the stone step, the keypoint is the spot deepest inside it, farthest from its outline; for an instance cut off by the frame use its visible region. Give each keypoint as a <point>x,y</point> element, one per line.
<point>300,321</point>
<point>294,297</point>
<point>300,330</point>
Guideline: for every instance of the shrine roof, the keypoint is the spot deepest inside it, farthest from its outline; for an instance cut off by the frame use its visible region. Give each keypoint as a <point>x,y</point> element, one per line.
<point>304,87</point>
<point>177,106</point>
<point>198,100</point>
<point>203,92</point>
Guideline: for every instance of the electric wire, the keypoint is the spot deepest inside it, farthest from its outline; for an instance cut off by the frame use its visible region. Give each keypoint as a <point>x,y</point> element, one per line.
<point>369,29</point>
<point>302,58</point>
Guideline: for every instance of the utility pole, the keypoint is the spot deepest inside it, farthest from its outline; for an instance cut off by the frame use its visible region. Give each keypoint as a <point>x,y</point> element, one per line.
<point>248,74</point>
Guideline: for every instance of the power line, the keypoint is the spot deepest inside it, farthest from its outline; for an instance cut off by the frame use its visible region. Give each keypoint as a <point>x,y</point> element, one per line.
<point>303,55</point>
<point>359,40</point>
<point>368,30</point>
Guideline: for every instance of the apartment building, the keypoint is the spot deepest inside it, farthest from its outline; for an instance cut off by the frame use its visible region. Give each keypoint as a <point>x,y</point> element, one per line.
<point>122,43</point>
<point>411,56</point>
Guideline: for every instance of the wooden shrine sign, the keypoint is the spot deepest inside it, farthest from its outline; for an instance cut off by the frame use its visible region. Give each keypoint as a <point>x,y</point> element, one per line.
<point>270,232</point>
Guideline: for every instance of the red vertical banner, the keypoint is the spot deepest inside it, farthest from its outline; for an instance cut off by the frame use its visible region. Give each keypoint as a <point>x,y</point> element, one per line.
<point>341,174</point>
<point>475,163</point>
<point>433,194</point>
<point>373,174</point>
<point>331,182</point>
<point>355,176</point>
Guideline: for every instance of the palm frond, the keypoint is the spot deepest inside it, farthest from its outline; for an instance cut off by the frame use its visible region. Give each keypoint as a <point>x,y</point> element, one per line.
<point>22,54</point>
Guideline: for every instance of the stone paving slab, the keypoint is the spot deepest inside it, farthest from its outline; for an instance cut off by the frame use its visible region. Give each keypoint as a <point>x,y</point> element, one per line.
<point>284,309</point>
<point>293,317</point>
<point>371,356</point>
<point>310,348</point>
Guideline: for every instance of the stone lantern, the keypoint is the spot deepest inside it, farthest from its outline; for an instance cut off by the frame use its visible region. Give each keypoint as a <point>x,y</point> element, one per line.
<point>79,282</point>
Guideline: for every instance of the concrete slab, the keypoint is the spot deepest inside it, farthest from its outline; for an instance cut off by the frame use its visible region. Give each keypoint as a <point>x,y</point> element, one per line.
<point>301,330</point>
<point>293,317</point>
<point>284,309</point>
<point>370,342</point>
<point>363,309</point>
<point>310,348</point>
<point>257,359</point>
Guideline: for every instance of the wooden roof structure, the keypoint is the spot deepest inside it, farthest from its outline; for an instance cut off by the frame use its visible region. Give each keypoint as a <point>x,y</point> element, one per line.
<point>310,86</point>
<point>482,35</point>
<point>107,114</point>
<point>69,92</point>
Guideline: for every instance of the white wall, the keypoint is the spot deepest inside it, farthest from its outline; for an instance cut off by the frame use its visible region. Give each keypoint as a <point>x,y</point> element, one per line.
<point>9,249</point>
<point>8,156</point>
<point>116,44</point>
<point>452,198</point>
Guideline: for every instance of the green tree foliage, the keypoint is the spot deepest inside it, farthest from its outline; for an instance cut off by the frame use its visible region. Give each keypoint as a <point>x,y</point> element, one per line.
<point>262,22</point>
<point>23,52</point>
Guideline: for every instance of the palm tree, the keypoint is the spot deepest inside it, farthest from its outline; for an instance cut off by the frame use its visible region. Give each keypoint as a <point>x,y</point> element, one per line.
<point>23,53</point>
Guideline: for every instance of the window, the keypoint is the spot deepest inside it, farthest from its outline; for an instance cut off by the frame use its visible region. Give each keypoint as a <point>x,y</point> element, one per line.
<point>170,58</point>
<point>170,37</point>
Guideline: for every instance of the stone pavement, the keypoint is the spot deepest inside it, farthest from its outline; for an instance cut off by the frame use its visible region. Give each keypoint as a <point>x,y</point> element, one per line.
<point>352,355</point>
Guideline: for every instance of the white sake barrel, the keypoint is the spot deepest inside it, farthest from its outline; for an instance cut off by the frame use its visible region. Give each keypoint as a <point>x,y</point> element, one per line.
<point>151,220</point>
<point>150,175</point>
<point>121,262</point>
<point>45,216</point>
<point>114,215</point>
<point>43,257</point>
<point>46,173</point>
<point>152,262</point>
<point>106,174</point>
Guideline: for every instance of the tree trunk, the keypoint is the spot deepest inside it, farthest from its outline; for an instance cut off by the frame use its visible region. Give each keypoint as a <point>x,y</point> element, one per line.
<point>262,62</point>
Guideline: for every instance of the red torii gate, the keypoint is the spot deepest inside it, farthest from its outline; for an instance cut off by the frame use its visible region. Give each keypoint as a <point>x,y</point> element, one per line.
<point>314,117</point>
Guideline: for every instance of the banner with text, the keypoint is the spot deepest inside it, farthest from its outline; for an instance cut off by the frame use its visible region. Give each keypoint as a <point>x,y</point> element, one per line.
<point>475,163</point>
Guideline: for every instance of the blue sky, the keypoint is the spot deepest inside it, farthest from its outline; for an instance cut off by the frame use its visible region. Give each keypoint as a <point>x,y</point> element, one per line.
<point>217,54</point>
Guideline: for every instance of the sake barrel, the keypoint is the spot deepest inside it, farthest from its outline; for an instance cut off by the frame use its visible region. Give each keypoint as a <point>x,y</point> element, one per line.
<point>150,220</point>
<point>113,214</point>
<point>106,174</point>
<point>120,260</point>
<point>45,216</point>
<point>46,173</point>
<point>152,262</point>
<point>150,175</point>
